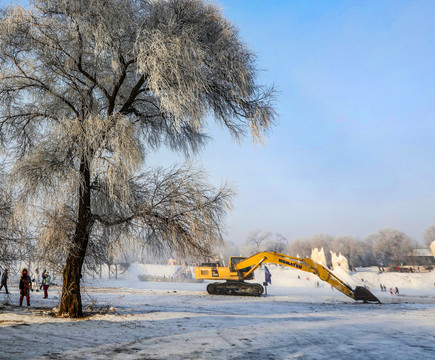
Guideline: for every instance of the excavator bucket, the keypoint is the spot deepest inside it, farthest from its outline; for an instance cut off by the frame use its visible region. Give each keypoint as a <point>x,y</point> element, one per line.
<point>361,293</point>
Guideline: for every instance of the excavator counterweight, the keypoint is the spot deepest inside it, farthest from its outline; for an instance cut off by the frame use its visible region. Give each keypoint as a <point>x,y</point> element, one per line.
<point>241,269</point>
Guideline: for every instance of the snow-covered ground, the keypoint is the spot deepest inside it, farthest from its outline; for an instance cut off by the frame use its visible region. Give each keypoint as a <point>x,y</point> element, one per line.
<point>296,320</point>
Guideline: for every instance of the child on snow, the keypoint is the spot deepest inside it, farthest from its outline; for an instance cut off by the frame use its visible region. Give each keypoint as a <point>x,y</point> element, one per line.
<point>25,287</point>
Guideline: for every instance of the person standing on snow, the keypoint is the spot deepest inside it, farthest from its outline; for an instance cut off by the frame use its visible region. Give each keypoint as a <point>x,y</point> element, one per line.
<point>46,283</point>
<point>36,279</point>
<point>25,287</point>
<point>4,281</point>
<point>42,282</point>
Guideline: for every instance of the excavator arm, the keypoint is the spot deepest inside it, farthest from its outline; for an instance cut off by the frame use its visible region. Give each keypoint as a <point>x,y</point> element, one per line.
<point>308,265</point>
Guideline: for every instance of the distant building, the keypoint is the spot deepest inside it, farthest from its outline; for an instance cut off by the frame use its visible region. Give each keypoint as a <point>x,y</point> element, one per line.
<point>423,257</point>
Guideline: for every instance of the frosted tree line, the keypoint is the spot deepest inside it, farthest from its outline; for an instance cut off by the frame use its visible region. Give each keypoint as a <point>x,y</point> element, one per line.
<point>383,248</point>
<point>88,91</point>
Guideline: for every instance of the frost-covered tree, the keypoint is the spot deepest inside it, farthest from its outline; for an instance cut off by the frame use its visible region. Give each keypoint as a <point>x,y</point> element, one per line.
<point>257,240</point>
<point>349,247</point>
<point>89,88</point>
<point>303,247</point>
<point>299,247</point>
<point>429,235</point>
<point>16,244</point>
<point>277,244</point>
<point>228,249</point>
<point>263,241</point>
<point>391,246</point>
<point>10,249</point>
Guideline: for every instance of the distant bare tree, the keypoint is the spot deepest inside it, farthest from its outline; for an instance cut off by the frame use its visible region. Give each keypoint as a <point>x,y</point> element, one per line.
<point>259,239</point>
<point>429,235</point>
<point>391,246</point>
<point>263,241</point>
<point>89,88</point>
<point>278,244</point>
<point>303,247</point>
<point>229,249</point>
<point>299,247</point>
<point>349,247</point>
<point>322,241</point>
<point>367,257</point>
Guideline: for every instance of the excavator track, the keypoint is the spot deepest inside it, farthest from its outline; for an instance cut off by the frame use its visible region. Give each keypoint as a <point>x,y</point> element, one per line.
<point>238,288</point>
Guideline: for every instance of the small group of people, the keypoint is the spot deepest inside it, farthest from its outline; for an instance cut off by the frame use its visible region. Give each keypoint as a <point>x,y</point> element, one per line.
<point>25,285</point>
<point>394,291</point>
<point>44,284</point>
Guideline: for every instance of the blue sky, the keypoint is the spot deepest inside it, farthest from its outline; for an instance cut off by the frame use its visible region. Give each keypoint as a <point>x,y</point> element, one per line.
<point>354,148</point>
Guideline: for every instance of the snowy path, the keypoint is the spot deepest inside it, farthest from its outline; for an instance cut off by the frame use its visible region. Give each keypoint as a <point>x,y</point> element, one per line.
<point>180,321</point>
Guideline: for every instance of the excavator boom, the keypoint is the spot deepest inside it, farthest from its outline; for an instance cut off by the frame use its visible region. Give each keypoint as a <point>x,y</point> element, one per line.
<point>243,269</point>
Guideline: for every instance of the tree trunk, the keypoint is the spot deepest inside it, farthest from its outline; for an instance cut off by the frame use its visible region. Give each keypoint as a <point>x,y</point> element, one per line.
<point>71,302</point>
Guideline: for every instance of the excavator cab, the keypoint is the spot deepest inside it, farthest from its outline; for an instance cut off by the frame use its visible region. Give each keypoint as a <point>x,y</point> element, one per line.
<point>234,260</point>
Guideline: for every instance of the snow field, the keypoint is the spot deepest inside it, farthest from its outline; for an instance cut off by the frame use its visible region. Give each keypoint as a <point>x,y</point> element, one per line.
<point>181,321</point>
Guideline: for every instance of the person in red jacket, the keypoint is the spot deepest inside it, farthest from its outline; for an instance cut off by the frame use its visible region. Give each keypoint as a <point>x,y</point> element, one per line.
<point>25,287</point>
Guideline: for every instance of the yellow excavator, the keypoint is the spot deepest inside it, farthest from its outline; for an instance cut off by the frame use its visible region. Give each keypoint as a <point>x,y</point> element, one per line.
<point>242,268</point>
